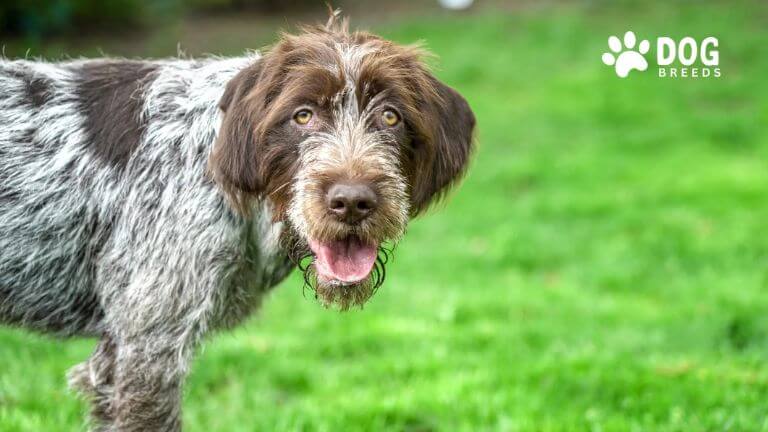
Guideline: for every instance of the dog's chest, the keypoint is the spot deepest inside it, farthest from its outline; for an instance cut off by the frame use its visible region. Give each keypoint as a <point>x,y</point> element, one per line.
<point>260,264</point>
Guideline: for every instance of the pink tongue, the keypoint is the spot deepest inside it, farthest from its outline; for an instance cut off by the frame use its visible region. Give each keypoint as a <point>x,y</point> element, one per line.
<point>346,260</point>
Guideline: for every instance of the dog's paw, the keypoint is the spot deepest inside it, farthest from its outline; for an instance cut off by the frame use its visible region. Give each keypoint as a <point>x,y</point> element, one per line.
<point>626,58</point>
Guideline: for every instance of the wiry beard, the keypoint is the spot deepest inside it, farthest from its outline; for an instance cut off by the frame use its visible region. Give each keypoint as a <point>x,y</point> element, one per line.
<point>338,295</point>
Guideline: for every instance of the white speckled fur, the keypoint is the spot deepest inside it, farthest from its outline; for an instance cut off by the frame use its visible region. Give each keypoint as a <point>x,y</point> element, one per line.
<point>150,257</point>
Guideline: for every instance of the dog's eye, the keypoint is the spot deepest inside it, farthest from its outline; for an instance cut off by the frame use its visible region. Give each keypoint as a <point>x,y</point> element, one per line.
<point>302,117</point>
<point>390,118</point>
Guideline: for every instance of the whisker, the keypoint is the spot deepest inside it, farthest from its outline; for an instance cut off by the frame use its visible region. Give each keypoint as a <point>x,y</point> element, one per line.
<point>280,187</point>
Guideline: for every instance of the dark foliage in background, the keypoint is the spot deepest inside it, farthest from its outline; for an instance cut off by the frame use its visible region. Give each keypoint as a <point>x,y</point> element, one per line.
<point>39,18</point>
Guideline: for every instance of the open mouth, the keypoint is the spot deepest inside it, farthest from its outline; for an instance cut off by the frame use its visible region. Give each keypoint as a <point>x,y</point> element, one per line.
<point>346,262</point>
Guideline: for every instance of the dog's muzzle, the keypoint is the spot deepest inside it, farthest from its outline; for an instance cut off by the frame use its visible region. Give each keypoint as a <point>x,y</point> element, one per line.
<point>347,260</point>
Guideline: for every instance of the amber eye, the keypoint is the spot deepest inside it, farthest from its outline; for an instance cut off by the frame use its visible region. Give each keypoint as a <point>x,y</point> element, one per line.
<point>303,117</point>
<point>390,118</point>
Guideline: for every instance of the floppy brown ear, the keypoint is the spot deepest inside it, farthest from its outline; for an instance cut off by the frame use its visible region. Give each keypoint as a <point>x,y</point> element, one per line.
<point>233,163</point>
<point>443,148</point>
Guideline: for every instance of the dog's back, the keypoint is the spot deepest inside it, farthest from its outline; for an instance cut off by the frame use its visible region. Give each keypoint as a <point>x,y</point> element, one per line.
<point>50,229</point>
<point>88,149</point>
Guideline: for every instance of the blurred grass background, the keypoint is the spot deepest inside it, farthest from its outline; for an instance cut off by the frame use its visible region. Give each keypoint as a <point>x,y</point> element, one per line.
<point>603,266</point>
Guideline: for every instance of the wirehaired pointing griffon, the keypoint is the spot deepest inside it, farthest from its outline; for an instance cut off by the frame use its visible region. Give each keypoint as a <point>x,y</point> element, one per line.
<point>150,203</point>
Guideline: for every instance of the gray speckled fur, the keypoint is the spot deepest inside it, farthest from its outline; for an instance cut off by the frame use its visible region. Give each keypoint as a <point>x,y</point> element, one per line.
<point>148,257</point>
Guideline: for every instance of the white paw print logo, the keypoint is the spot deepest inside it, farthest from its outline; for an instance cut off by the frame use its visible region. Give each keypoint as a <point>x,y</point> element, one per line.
<point>628,59</point>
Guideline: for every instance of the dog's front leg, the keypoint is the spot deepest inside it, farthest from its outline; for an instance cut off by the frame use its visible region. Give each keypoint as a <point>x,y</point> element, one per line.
<point>148,382</point>
<point>160,286</point>
<point>94,379</point>
<point>156,329</point>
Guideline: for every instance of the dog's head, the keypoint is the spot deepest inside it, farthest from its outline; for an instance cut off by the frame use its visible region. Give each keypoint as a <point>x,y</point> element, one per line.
<point>348,136</point>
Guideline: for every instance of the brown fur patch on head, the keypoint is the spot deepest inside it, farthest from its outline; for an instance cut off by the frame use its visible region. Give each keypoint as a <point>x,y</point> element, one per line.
<point>253,156</point>
<point>440,120</point>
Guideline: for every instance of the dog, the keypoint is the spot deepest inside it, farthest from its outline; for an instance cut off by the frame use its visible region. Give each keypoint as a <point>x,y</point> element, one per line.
<point>151,203</point>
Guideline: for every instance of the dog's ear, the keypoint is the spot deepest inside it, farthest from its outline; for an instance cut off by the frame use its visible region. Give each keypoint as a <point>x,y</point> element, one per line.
<point>233,162</point>
<point>252,158</point>
<point>443,144</point>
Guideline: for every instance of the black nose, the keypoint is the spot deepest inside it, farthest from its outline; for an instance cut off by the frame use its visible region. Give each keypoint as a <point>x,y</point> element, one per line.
<point>351,202</point>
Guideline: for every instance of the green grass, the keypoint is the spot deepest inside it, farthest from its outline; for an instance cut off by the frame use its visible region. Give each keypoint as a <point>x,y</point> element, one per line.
<point>602,268</point>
